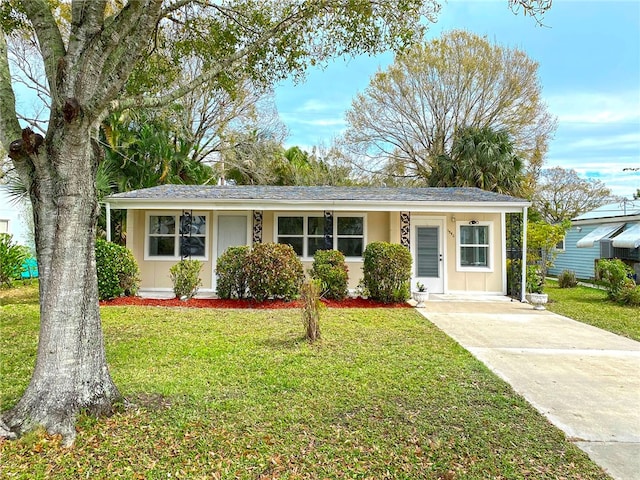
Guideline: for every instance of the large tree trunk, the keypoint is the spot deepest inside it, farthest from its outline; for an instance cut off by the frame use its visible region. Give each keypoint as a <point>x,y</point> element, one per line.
<point>71,373</point>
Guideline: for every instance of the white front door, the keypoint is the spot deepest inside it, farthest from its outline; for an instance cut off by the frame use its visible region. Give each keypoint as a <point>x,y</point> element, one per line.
<point>428,254</point>
<point>232,232</point>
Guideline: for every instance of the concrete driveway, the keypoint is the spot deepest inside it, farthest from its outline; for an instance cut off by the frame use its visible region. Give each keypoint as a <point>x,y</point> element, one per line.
<point>586,381</point>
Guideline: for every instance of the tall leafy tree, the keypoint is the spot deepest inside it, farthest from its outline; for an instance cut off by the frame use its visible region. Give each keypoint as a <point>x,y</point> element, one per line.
<point>90,50</point>
<point>409,114</point>
<point>561,194</point>
<point>480,157</point>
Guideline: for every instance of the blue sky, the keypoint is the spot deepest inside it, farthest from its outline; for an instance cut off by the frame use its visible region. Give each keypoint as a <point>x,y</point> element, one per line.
<point>589,67</point>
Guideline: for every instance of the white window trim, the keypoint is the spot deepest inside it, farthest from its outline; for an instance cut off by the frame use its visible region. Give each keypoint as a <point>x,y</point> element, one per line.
<point>563,247</point>
<point>176,215</point>
<point>491,247</point>
<point>6,222</point>
<point>305,236</point>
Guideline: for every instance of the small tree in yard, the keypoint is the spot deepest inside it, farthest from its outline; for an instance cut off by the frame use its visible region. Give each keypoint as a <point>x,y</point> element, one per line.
<point>542,239</point>
<point>311,306</point>
<point>387,271</point>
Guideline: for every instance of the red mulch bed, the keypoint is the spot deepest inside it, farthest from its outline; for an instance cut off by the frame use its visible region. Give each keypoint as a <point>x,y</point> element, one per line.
<point>235,303</point>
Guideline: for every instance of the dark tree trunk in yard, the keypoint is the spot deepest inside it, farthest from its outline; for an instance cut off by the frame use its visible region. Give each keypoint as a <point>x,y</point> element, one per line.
<point>71,373</point>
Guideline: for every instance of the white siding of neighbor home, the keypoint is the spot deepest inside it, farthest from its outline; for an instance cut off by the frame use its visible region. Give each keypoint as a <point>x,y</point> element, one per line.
<point>13,214</point>
<point>579,260</point>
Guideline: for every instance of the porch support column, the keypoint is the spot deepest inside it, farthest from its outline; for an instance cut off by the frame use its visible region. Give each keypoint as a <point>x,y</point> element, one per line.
<point>523,285</point>
<point>108,214</point>
<point>257,226</point>
<point>328,230</point>
<point>405,229</point>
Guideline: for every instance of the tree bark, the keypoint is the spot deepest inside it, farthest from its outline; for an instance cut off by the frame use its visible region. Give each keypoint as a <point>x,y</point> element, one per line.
<point>71,373</point>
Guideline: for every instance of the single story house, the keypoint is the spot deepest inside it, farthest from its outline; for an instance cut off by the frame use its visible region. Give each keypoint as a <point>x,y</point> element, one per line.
<point>610,231</point>
<point>457,236</point>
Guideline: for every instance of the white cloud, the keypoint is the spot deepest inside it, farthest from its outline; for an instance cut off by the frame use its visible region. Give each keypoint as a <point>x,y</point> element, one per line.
<point>621,141</point>
<point>594,108</point>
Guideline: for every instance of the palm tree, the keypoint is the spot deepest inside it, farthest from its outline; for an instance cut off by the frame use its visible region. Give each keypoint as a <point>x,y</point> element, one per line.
<point>480,157</point>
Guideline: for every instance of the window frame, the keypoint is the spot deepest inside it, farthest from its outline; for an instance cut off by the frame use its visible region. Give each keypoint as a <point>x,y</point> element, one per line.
<point>490,246</point>
<point>176,235</point>
<point>305,229</point>
<point>5,222</point>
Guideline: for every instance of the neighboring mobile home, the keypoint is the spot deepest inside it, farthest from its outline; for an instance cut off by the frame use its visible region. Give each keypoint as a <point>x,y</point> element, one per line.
<point>457,236</point>
<point>610,231</point>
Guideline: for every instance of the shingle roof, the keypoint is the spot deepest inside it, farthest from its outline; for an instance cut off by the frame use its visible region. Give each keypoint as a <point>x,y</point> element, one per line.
<point>322,193</point>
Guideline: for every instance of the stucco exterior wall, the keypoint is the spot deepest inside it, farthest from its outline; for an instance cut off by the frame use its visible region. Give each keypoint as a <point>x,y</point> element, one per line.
<point>154,274</point>
<point>481,281</point>
<point>380,226</point>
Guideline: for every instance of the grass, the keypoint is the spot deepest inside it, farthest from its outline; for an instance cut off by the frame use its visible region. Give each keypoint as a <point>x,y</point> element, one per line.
<point>240,394</point>
<point>590,305</point>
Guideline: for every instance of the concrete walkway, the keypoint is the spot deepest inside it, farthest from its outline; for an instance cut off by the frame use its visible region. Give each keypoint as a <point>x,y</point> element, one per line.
<point>586,381</point>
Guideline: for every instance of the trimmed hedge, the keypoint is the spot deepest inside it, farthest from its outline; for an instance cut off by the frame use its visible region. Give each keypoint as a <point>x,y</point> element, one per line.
<point>118,273</point>
<point>330,269</point>
<point>387,271</point>
<point>273,271</point>
<point>231,277</point>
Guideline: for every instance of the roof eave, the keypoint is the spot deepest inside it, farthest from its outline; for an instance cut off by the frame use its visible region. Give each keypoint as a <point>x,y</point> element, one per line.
<point>313,205</point>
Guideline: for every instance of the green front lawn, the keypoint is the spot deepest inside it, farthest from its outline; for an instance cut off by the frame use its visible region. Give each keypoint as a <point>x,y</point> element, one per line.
<point>590,305</point>
<point>240,394</point>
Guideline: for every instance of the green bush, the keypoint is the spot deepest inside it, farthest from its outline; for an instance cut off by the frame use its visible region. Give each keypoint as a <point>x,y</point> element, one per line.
<point>387,271</point>
<point>12,256</point>
<point>118,272</point>
<point>273,271</point>
<point>630,294</point>
<point>615,276</point>
<point>567,279</point>
<point>185,276</point>
<point>534,279</point>
<point>331,271</point>
<point>230,274</point>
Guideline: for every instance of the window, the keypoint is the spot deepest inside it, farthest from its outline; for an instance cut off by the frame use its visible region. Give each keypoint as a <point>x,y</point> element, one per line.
<point>174,236</point>
<point>305,233</point>
<point>560,245</point>
<point>4,226</point>
<point>350,235</point>
<point>474,244</point>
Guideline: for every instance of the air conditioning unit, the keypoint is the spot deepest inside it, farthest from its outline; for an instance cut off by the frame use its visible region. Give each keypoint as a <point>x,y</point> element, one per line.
<point>606,248</point>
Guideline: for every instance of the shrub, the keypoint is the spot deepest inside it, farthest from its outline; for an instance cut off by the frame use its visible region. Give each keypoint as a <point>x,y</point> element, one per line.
<point>567,279</point>
<point>117,269</point>
<point>185,276</point>
<point>534,279</point>
<point>387,270</point>
<point>230,274</point>
<point>630,294</point>
<point>273,270</point>
<point>311,306</point>
<point>12,256</point>
<point>614,275</point>
<point>331,271</point>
